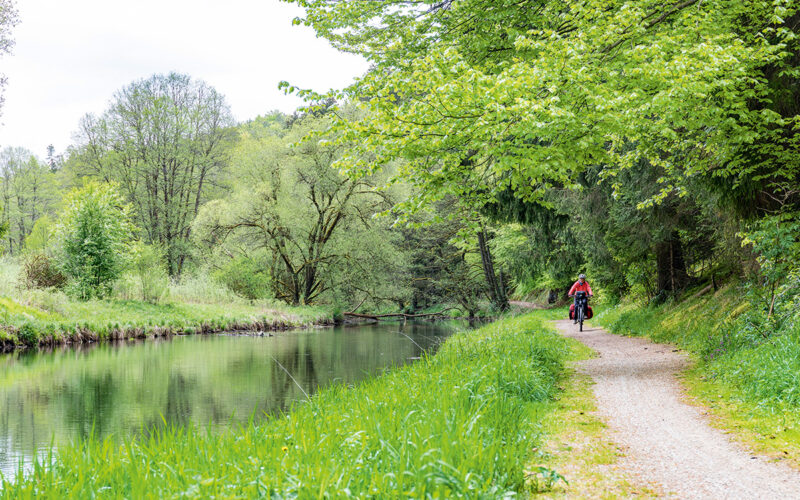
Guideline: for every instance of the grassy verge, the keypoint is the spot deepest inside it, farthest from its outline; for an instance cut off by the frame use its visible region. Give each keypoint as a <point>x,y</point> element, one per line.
<point>48,318</point>
<point>460,423</point>
<point>578,445</point>
<point>748,379</point>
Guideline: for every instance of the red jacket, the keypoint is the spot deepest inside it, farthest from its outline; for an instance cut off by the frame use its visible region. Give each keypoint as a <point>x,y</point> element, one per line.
<point>577,287</point>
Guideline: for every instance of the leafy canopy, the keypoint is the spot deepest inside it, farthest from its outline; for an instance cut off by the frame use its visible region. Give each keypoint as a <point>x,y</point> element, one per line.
<point>479,96</point>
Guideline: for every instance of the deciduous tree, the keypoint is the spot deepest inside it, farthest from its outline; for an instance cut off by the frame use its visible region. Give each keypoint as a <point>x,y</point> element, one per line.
<point>314,222</point>
<point>8,19</point>
<point>165,141</point>
<point>28,190</point>
<point>550,88</point>
<point>93,233</point>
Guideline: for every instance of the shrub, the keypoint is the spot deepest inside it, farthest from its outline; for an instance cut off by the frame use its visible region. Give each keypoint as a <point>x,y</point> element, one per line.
<point>27,334</point>
<point>40,272</point>
<point>92,238</point>
<point>41,235</point>
<point>245,277</point>
<point>776,241</point>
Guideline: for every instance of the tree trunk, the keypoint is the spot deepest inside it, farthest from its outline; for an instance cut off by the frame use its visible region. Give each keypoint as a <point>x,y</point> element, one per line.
<point>672,275</point>
<point>497,291</point>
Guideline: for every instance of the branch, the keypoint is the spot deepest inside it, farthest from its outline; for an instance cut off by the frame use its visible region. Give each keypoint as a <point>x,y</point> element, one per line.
<point>376,317</point>
<point>658,20</point>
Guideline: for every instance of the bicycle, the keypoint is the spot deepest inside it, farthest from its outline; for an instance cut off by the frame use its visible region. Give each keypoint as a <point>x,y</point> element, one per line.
<point>581,304</point>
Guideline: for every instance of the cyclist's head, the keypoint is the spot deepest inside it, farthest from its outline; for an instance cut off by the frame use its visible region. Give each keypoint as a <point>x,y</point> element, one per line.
<point>582,277</point>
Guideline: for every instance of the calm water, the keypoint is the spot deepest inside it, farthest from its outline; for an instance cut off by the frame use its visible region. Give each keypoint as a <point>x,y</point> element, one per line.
<point>121,389</point>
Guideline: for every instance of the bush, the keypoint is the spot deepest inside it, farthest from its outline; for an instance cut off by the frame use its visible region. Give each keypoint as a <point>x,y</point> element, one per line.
<point>92,238</point>
<point>41,235</point>
<point>40,272</point>
<point>776,242</point>
<point>246,278</point>
<point>27,334</point>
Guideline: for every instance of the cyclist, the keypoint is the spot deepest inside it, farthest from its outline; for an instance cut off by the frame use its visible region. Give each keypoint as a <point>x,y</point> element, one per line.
<point>580,286</point>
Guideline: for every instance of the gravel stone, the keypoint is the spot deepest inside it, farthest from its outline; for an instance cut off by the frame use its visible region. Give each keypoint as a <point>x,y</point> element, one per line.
<point>668,442</point>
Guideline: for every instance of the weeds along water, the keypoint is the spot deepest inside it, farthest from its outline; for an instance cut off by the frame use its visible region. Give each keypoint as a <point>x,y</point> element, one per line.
<point>460,423</point>
<point>32,317</point>
<point>50,318</point>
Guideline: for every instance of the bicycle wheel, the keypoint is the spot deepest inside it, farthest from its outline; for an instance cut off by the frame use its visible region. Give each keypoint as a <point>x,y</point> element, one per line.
<point>580,319</point>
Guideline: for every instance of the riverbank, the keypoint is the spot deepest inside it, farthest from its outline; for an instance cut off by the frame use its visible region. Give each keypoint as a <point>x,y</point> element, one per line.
<point>744,370</point>
<point>50,319</point>
<point>32,317</point>
<point>463,422</point>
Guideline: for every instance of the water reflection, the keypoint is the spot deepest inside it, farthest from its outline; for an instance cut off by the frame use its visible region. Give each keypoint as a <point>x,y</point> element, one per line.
<point>123,389</point>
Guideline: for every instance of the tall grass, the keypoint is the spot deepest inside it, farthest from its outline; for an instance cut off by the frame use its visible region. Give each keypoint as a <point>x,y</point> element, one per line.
<point>201,289</point>
<point>9,274</point>
<point>195,304</point>
<point>459,424</point>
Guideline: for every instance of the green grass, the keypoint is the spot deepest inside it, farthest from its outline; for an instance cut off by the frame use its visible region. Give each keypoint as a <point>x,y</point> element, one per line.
<point>750,378</point>
<point>60,319</point>
<point>462,423</point>
<point>195,305</point>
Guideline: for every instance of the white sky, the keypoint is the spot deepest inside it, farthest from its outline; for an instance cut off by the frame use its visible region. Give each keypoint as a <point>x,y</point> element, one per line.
<point>72,55</point>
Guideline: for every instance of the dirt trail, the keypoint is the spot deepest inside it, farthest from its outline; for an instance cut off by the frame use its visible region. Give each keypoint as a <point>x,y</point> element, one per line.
<point>668,443</point>
<point>525,305</point>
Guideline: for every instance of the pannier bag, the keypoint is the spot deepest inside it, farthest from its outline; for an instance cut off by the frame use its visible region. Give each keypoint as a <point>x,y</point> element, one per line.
<point>589,312</point>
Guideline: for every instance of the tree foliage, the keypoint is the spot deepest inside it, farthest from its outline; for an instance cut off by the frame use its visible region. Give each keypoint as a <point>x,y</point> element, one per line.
<point>631,125</point>
<point>776,241</point>
<point>28,191</point>
<point>246,276</point>
<point>481,96</point>
<point>93,234</point>
<point>291,202</point>
<point>165,141</point>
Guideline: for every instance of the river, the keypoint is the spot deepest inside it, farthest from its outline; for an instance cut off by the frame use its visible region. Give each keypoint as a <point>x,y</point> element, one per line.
<point>122,389</point>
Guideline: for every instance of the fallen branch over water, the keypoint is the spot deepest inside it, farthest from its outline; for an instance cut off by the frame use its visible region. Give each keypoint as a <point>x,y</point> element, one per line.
<point>378,317</point>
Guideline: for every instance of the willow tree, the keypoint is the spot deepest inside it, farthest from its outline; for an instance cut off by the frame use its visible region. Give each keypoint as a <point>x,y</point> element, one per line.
<point>315,224</point>
<point>482,97</point>
<point>165,140</point>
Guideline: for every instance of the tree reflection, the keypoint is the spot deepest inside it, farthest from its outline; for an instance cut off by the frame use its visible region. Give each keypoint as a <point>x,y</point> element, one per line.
<point>127,388</point>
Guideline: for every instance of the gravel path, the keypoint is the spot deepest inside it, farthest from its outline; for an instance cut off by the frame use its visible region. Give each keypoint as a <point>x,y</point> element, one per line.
<point>669,443</point>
